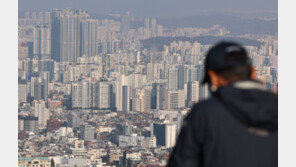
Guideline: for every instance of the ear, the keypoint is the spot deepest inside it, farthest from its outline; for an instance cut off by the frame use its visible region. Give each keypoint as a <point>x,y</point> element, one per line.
<point>214,79</point>
<point>253,73</point>
<point>217,80</point>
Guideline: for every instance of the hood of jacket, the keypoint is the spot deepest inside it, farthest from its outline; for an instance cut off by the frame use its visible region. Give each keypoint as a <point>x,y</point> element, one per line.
<point>251,103</point>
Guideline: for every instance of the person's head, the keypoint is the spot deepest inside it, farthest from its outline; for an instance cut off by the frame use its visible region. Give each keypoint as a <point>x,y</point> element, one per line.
<point>227,62</point>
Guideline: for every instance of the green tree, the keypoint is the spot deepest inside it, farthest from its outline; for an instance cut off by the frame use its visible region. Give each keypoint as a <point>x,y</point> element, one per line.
<point>52,164</point>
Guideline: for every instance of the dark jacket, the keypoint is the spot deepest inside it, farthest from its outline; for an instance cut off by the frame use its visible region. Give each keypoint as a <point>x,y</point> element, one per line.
<point>235,127</point>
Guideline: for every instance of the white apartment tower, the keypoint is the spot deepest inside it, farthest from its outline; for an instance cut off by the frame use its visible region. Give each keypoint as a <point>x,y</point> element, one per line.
<point>89,31</point>
<point>172,79</point>
<point>42,113</point>
<point>76,90</point>
<point>175,99</point>
<point>42,42</point>
<point>103,95</point>
<point>192,92</point>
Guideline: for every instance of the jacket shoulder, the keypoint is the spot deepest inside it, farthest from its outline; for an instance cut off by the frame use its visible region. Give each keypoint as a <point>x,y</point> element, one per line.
<point>208,104</point>
<point>204,107</point>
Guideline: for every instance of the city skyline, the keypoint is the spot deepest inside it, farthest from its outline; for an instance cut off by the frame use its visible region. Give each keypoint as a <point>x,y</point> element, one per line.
<point>162,9</point>
<point>105,92</point>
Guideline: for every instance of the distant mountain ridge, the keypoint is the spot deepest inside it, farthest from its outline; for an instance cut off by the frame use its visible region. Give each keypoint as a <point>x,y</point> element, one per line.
<point>158,42</point>
<point>236,25</point>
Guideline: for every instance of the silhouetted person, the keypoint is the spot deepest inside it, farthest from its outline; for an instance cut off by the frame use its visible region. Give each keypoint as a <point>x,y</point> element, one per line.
<point>238,125</point>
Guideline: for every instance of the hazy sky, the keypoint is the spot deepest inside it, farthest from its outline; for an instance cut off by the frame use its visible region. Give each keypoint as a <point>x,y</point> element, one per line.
<point>155,8</point>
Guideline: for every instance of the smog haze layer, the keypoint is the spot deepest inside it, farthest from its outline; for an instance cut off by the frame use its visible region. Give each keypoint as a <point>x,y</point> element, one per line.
<point>160,8</point>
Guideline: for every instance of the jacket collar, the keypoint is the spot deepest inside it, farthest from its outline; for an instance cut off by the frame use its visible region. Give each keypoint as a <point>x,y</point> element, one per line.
<point>249,84</point>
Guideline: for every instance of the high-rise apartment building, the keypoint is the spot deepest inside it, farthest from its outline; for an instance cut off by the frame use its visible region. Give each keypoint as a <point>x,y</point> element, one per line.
<point>138,100</point>
<point>47,65</point>
<point>22,91</point>
<point>149,142</point>
<point>76,91</point>
<point>42,113</point>
<point>66,34</point>
<point>154,27</point>
<point>121,81</point>
<point>204,92</point>
<point>46,18</point>
<point>192,93</point>
<point>147,23</point>
<point>87,133</point>
<point>103,95</point>
<point>73,120</point>
<point>165,134</point>
<point>28,123</point>
<point>89,35</point>
<point>159,30</point>
<point>125,98</point>
<point>82,95</point>
<point>38,88</point>
<point>158,96</point>
<point>172,78</point>
<point>194,74</point>
<point>40,18</point>
<point>175,99</point>
<point>23,51</point>
<point>147,98</point>
<point>27,66</point>
<point>45,76</point>
<point>181,77</point>
<point>125,23</point>
<point>42,42</point>
<point>179,122</point>
<point>86,95</point>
